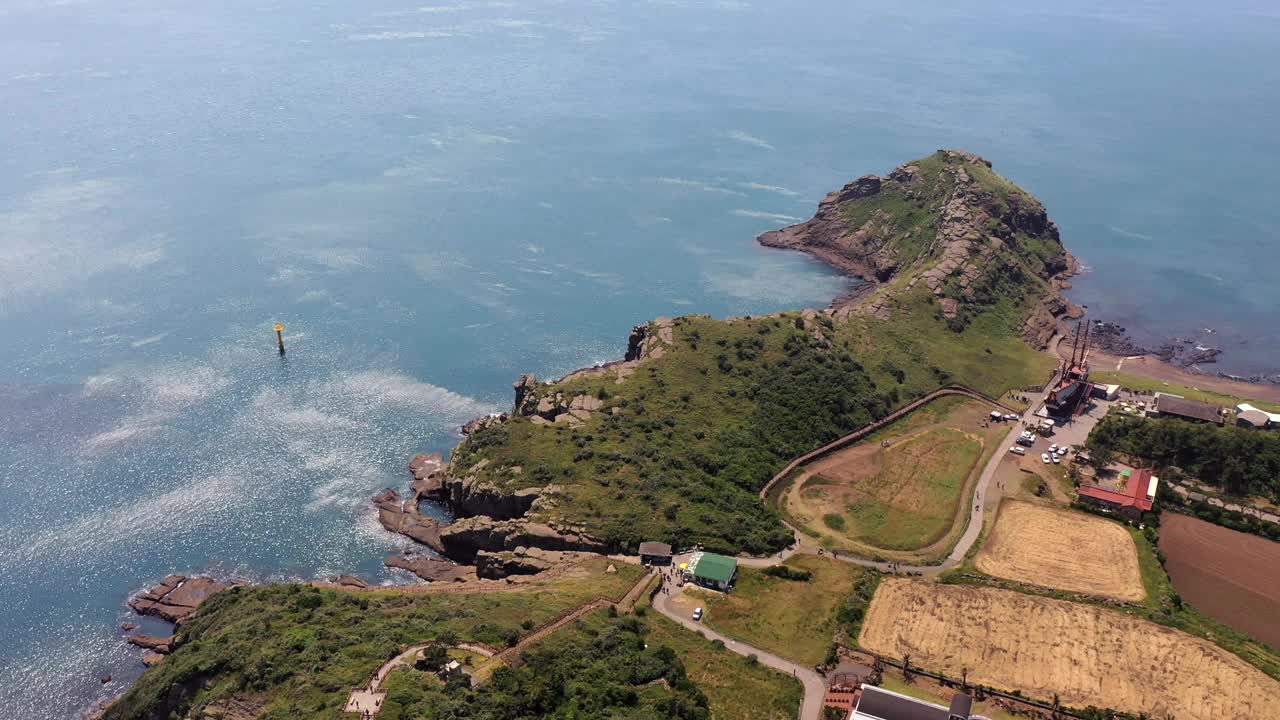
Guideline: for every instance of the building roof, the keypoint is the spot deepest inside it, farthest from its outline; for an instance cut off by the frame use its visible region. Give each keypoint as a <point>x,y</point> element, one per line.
<point>1140,492</point>
<point>881,704</point>
<point>655,548</point>
<point>1246,407</point>
<point>717,568</point>
<point>1182,407</point>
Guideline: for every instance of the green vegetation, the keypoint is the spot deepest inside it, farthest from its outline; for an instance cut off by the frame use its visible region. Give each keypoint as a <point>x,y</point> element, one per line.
<point>1138,383</point>
<point>600,669</point>
<point>735,688</point>
<point>795,619</point>
<point>855,606</point>
<point>687,438</point>
<point>303,649</point>
<point>1233,519</point>
<point>913,500</point>
<point>1240,461</point>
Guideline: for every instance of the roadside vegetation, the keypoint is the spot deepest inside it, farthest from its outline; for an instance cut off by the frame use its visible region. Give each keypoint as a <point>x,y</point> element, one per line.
<point>600,669</point>
<point>735,687</point>
<point>299,650</point>
<point>1239,461</point>
<point>792,617</point>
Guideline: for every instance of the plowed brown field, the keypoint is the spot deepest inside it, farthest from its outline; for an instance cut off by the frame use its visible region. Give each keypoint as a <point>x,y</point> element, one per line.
<point>1227,575</point>
<point>1087,654</point>
<point>1064,550</point>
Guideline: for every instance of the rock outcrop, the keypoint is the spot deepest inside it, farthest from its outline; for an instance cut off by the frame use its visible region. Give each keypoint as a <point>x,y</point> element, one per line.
<point>431,569</point>
<point>150,642</point>
<point>465,539</point>
<point>520,561</point>
<point>464,496</point>
<point>176,597</point>
<point>400,515</point>
<point>950,225</point>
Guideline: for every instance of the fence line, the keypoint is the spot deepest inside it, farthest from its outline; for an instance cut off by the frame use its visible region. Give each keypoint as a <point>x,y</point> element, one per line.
<point>878,424</point>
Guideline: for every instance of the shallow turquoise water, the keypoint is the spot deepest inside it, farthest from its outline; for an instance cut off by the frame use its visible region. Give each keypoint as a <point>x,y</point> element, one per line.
<point>437,198</point>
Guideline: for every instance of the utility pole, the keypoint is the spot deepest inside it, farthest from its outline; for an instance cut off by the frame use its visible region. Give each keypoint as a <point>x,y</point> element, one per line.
<point>280,337</point>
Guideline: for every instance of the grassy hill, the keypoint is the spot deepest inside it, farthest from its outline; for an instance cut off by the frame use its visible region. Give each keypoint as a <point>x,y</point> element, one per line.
<point>675,443</point>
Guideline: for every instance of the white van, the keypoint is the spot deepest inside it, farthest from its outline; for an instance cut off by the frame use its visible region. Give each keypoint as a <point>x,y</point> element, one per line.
<point>1017,450</point>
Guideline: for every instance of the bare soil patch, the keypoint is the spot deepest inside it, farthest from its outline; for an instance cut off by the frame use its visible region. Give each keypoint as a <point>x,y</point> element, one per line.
<point>1228,575</point>
<point>1064,550</point>
<point>1088,654</point>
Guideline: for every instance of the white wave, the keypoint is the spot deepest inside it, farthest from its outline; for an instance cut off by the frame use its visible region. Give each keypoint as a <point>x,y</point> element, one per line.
<point>149,340</point>
<point>391,389</point>
<point>760,214</point>
<point>705,187</point>
<point>748,139</point>
<point>769,188</point>
<point>404,35</point>
<point>1129,233</point>
<point>57,237</point>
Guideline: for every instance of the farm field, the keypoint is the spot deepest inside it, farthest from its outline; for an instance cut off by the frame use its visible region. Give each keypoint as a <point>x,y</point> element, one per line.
<point>901,489</point>
<point>1062,549</point>
<point>791,618</point>
<point>1087,654</point>
<point>1228,575</point>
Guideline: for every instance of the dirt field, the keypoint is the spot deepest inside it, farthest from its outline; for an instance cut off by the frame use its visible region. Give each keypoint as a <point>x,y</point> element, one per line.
<point>1230,576</point>
<point>899,491</point>
<point>1064,550</point>
<point>1089,655</point>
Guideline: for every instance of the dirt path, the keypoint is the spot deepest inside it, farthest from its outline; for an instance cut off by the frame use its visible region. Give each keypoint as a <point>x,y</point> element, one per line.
<point>814,686</point>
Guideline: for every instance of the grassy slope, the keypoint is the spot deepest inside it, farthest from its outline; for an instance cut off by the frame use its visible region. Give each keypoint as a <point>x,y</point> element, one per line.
<point>735,688</point>
<point>698,431</point>
<point>939,460</point>
<point>599,667</point>
<point>306,648</point>
<point>793,619</point>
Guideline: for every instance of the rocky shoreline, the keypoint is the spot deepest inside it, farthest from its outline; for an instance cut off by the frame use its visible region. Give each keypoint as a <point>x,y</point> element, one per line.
<point>975,226</point>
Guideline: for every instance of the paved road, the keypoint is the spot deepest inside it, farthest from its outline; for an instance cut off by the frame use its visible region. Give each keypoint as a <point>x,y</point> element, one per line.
<point>814,686</point>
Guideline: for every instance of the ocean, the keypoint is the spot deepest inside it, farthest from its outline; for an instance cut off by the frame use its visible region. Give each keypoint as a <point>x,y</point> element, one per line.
<point>436,198</point>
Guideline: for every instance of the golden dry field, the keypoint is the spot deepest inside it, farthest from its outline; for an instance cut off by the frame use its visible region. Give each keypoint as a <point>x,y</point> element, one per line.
<point>1064,550</point>
<point>1087,654</point>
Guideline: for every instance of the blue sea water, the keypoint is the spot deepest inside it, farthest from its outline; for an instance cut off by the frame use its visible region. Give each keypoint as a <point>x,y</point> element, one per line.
<point>435,198</point>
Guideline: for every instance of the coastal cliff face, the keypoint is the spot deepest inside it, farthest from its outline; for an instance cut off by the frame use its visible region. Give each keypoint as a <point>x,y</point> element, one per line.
<point>947,224</point>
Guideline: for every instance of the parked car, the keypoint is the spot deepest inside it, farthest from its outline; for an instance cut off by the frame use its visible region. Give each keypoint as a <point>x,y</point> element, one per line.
<point>1010,416</point>
<point>1053,448</point>
<point>697,614</point>
<point>1062,451</point>
<point>1017,450</point>
<point>1044,457</point>
<point>1057,459</point>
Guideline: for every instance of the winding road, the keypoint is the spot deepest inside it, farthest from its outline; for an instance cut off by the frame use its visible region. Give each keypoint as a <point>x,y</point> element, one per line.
<point>982,495</point>
<point>815,688</point>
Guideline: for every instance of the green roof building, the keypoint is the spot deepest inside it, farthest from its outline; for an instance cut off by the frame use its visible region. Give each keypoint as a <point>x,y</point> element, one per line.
<point>714,571</point>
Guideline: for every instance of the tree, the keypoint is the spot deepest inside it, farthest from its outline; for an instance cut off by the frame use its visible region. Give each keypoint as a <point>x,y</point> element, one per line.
<point>434,657</point>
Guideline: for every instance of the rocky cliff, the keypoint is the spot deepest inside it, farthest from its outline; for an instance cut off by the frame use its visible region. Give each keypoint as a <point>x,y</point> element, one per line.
<point>949,224</point>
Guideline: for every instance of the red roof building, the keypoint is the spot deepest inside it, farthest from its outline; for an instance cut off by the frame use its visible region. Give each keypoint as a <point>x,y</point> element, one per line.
<point>1136,499</point>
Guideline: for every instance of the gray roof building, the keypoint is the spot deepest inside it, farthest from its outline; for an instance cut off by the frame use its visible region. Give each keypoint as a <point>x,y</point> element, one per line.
<point>880,704</point>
